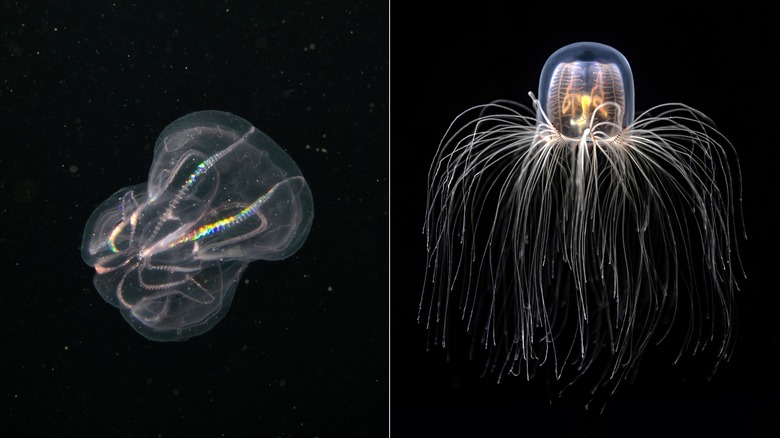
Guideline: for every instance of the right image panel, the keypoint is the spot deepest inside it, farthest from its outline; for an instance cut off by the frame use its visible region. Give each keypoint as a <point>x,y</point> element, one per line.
<point>581,225</point>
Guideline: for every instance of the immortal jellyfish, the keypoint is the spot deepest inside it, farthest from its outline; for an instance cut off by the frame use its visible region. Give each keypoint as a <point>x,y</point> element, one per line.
<point>571,236</point>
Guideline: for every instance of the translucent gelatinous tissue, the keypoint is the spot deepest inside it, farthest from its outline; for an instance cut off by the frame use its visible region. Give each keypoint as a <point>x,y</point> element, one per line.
<point>169,253</point>
<point>587,84</point>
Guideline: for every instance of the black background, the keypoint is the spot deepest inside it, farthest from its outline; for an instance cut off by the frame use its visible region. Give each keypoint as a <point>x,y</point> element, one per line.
<point>85,88</point>
<point>714,58</point>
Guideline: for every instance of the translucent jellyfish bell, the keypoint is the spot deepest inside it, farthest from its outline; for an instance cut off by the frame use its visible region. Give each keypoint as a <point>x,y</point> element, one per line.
<point>586,85</point>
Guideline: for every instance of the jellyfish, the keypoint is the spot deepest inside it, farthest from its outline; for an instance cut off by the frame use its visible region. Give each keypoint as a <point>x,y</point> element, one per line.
<point>571,236</point>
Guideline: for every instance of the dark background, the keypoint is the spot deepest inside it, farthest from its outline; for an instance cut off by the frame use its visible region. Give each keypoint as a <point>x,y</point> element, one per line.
<point>715,59</point>
<point>85,89</point>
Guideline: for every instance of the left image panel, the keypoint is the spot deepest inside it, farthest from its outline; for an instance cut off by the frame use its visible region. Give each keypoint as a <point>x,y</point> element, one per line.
<point>210,183</point>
